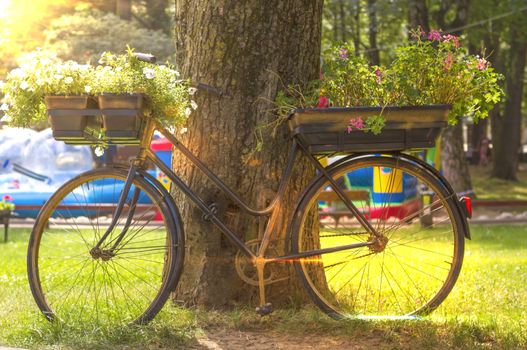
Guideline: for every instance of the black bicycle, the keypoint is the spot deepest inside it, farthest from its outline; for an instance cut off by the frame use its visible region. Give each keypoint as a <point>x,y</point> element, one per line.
<point>377,232</point>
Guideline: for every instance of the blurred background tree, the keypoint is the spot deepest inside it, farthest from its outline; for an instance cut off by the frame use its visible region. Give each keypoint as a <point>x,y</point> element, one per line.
<point>82,29</point>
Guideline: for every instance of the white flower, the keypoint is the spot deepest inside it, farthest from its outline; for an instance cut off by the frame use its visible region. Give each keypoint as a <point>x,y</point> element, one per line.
<point>149,73</point>
<point>118,69</point>
<point>192,90</point>
<point>58,76</point>
<point>39,82</point>
<point>177,73</point>
<point>24,85</point>
<point>4,107</point>
<point>68,80</point>
<point>5,118</point>
<point>193,104</point>
<point>99,151</point>
<point>183,131</point>
<point>1,84</point>
<point>87,88</point>
<point>18,73</point>
<point>188,111</point>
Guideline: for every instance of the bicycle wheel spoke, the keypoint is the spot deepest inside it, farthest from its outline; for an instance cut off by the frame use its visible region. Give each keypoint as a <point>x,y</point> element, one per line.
<point>75,280</point>
<point>409,266</point>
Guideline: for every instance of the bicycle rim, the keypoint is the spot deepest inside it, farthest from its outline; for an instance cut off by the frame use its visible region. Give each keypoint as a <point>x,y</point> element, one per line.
<point>407,273</point>
<point>125,282</point>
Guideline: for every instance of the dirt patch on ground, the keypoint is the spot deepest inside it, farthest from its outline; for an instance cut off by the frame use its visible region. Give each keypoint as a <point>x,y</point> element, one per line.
<point>216,339</point>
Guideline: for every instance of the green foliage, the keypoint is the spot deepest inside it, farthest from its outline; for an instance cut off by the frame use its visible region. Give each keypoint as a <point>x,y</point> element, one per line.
<point>170,96</point>
<point>431,69</point>
<point>41,73</point>
<point>438,71</point>
<point>84,35</point>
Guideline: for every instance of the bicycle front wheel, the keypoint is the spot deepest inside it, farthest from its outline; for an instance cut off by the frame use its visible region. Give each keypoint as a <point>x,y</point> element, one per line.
<point>412,263</point>
<point>130,277</point>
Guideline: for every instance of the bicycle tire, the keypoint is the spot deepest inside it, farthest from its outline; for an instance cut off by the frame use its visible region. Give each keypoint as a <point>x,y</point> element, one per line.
<point>324,285</point>
<point>130,287</point>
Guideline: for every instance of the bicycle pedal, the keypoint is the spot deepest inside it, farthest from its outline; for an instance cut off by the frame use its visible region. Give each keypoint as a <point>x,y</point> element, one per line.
<point>265,309</point>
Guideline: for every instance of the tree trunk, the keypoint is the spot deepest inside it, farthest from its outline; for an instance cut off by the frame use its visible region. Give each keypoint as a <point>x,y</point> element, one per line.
<point>372,33</point>
<point>342,21</point>
<point>418,15</point>
<point>158,18</point>
<point>453,160</point>
<point>479,131</point>
<point>507,133</point>
<point>247,49</point>
<point>356,34</point>
<point>124,9</point>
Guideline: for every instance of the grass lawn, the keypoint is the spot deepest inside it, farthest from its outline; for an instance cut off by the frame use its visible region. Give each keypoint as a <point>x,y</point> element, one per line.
<point>487,308</point>
<point>489,188</point>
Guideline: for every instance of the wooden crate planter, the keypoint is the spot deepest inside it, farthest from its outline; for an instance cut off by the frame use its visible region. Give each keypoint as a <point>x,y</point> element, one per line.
<point>71,116</point>
<point>122,117</point>
<point>324,130</point>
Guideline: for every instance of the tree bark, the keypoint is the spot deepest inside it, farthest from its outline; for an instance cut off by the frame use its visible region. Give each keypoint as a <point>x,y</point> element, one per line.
<point>372,32</point>
<point>453,160</point>
<point>124,9</point>
<point>507,129</point>
<point>247,49</point>
<point>418,15</point>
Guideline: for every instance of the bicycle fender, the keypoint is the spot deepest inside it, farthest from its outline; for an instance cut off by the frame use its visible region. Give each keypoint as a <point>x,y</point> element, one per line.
<point>427,167</point>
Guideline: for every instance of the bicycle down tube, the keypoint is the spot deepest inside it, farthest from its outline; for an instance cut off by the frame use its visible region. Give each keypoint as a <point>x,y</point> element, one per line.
<point>271,210</point>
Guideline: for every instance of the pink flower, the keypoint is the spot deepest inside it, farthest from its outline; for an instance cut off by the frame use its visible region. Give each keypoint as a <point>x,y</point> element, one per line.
<point>482,64</point>
<point>7,198</point>
<point>355,123</point>
<point>378,75</point>
<point>449,60</point>
<point>454,39</point>
<point>323,102</point>
<point>434,35</point>
<point>343,53</point>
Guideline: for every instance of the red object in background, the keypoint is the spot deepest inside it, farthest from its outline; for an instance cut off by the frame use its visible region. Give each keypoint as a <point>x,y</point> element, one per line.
<point>163,149</point>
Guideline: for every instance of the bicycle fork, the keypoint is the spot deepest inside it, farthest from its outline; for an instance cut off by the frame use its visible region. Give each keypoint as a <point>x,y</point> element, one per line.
<point>106,254</point>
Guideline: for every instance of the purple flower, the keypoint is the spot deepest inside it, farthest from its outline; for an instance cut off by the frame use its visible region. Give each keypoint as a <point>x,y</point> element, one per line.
<point>355,123</point>
<point>378,75</point>
<point>343,53</point>
<point>434,35</point>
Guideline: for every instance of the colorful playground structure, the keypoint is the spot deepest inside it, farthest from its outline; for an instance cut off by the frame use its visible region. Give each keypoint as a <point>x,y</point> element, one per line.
<point>34,165</point>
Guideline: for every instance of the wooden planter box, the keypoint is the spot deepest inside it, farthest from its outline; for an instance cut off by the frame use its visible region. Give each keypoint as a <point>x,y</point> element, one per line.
<point>324,130</point>
<point>122,117</point>
<point>70,116</point>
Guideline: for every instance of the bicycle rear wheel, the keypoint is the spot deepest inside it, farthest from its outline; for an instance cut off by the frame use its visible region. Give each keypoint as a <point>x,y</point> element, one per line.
<point>414,264</point>
<point>128,279</point>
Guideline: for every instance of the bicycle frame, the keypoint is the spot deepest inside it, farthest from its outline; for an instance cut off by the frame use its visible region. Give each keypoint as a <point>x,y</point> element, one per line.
<point>272,211</point>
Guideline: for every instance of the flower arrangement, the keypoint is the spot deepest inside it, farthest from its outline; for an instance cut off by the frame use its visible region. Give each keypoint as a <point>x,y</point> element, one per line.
<point>432,69</point>
<point>41,73</point>
<point>6,203</point>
